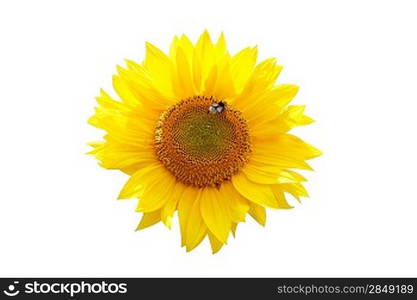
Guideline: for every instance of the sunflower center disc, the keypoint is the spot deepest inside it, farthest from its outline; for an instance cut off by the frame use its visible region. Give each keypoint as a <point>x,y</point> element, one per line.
<point>200,144</point>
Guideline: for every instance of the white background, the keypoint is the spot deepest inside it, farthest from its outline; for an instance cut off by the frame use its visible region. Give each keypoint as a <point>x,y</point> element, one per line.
<point>356,63</point>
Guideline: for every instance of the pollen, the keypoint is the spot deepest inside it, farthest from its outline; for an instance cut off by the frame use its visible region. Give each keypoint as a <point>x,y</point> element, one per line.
<point>200,148</point>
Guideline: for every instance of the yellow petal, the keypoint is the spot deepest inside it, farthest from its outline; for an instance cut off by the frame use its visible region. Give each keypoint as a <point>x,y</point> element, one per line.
<point>182,42</point>
<point>149,219</point>
<point>239,206</point>
<point>291,117</point>
<point>265,175</point>
<point>262,78</point>
<point>107,102</point>
<point>196,228</point>
<point>124,91</point>
<point>134,86</point>
<point>287,145</point>
<point>279,195</point>
<point>197,72</point>
<point>234,228</point>
<point>285,93</point>
<point>295,189</point>
<point>210,83</point>
<point>114,155</point>
<point>135,186</point>
<point>153,196</point>
<point>257,193</point>
<point>215,213</point>
<point>295,175</point>
<point>204,44</point>
<point>295,114</point>
<point>269,105</point>
<point>258,213</point>
<point>224,87</point>
<point>260,175</point>
<point>242,65</point>
<point>185,204</point>
<point>220,46</point>
<point>216,245</point>
<point>206,54</point>
<point>185,81</point>
<point>173,48</point>
<point>159,67</point>
<point>171,205</point>
<point>279,160</point>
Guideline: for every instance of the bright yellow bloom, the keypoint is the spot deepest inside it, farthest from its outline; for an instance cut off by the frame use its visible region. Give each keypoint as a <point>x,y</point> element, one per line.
<point>204,133</point>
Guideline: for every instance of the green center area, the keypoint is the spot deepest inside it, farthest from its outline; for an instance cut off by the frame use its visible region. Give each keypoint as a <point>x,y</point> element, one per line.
<point>203,135</point>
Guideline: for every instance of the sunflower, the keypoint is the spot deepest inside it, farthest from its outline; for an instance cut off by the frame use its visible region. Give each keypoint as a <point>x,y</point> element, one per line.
<point>204,133</point>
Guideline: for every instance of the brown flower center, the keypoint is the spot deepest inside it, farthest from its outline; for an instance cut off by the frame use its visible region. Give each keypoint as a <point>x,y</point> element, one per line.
<point>202,142</point>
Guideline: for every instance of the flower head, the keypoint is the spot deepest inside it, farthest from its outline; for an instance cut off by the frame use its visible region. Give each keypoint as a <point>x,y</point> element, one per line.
<point>204,133</point>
